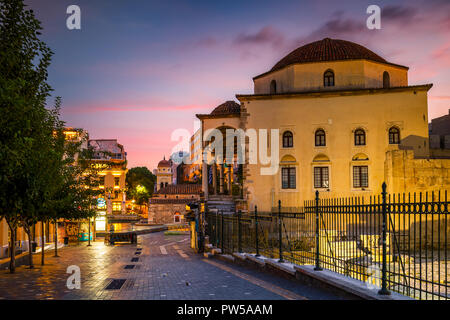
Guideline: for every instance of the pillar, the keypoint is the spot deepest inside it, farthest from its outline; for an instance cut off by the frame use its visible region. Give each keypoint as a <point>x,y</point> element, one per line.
<point>205,179</point>
<point>221,178</point>
<point>230,192</point>
<point>214,178</point>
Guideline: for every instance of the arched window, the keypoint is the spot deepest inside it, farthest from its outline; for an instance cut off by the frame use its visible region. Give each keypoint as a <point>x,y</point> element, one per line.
<point>320,138</point>
<point>394,135</point>
<point>273,87</point>
<point>328,78</point>
<point>288,139</point>
<point>386,80</point>
<point>360,137</point>
<point>161,185</point>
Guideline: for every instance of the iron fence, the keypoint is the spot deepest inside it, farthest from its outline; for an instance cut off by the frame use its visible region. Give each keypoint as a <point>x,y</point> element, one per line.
<point>394,242</point>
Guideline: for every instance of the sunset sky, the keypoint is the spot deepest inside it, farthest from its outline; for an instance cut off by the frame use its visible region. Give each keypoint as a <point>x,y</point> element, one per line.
<point>139,69</point>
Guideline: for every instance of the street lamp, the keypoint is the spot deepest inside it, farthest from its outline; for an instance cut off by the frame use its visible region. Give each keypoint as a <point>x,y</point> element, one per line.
<point>89,232</point>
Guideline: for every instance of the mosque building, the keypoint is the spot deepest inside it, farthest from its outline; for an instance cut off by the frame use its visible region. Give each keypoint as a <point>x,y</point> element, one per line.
<point>348,121</point>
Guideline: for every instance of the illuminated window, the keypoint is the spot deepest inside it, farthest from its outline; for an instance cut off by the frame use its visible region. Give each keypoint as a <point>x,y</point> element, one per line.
<point>117,181</point>
<point>117,206</point>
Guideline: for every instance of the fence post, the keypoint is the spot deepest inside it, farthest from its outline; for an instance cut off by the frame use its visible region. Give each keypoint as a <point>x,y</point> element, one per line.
<point>221,245</point>
<point>256,231</point>
<point>239,232</point>
<point>216,232</point>
<point>317,268</point>
<point>384,290</point>
<point>280,236</point>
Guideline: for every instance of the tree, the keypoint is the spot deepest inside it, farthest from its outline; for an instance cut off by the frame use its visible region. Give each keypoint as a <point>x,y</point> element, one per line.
<point>24,60</point>
<point>140,183</point>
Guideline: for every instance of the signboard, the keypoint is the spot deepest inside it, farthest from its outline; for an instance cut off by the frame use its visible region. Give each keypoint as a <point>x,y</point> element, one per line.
<point>72,231</point>
<point>101,203</point>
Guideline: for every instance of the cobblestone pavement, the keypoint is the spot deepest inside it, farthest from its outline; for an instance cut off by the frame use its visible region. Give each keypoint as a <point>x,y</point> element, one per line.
<point>166,269</point>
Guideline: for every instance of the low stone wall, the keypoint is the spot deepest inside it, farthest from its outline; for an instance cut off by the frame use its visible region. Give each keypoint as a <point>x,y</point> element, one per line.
<point>21,259</point>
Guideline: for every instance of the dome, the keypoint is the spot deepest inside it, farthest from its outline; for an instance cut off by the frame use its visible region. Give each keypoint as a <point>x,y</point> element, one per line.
<point>229,107</point>
<point>327,50</point>
<point>164,163</point>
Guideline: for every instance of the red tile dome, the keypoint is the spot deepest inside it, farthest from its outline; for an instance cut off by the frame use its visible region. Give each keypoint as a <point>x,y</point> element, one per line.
<point>164,163</point>
<point>327,50</point>
<point>229,107</point>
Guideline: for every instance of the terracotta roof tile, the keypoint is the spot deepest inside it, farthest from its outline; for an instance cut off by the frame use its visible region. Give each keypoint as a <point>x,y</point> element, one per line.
<point>181,189</point>
<point>228,107</point>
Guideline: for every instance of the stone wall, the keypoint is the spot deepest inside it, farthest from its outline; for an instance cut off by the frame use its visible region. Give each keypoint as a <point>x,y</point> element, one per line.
<point>404,173</point>
<point>165,212</point>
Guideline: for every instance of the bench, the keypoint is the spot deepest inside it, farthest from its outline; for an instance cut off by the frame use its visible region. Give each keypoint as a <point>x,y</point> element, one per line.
<point>113,237</point>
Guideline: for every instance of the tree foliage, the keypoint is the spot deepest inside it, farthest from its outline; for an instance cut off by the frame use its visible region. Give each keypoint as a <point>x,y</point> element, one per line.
<point>140,183</point>
<point>42,176</point>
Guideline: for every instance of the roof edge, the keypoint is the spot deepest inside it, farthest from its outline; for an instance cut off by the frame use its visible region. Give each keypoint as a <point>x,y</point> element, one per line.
<point>241,97</point>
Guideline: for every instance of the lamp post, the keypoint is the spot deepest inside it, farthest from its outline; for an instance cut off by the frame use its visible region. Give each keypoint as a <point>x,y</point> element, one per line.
<point>89,232</point>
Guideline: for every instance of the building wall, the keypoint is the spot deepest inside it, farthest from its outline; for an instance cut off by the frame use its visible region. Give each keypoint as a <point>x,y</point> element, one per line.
<point>348,74</point>
<point>339,115</point>
<point>118,197</point>
<point>165,213</point>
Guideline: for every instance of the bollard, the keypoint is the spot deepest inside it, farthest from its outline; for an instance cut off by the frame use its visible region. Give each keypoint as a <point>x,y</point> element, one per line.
<point>280,236</point>
<point>317,268</point>
<point>384,290</point>
<point>256,231</point>
<point>239,232</point>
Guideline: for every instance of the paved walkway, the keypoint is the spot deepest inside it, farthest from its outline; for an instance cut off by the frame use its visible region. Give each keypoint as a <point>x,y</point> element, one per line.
<point>166,268</point>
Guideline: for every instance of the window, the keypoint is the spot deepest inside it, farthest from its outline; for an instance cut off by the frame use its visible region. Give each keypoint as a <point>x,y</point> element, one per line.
<point>117,181</point>
<point>273,87</point>
<point>394,135</point>
<point>386,80</point>
<point>320,138</point>
<point>116,206</point>
<point>328,78</point>
<point>101,180</point>
<point>360,137</point>
<point>288,140</point>
<point>161,185</point>
<point>321,177</point>
<point>288,178</point>
<point>360,176</point>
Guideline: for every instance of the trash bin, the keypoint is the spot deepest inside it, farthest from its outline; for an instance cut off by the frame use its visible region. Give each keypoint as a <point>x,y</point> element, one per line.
<point>33,246</point>
<point>66,241</point>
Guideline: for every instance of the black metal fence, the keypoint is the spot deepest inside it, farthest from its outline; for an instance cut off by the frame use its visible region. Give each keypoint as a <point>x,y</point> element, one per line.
<point>394,242</point>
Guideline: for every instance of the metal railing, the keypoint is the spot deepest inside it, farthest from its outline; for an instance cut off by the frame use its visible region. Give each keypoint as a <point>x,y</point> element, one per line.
<point>394,242</point>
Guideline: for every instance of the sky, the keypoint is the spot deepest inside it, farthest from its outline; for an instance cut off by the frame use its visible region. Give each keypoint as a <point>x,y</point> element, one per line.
<point>140,69</point>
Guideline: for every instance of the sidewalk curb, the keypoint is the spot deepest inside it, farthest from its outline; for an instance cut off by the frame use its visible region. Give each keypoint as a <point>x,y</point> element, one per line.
<point>327,279</point>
